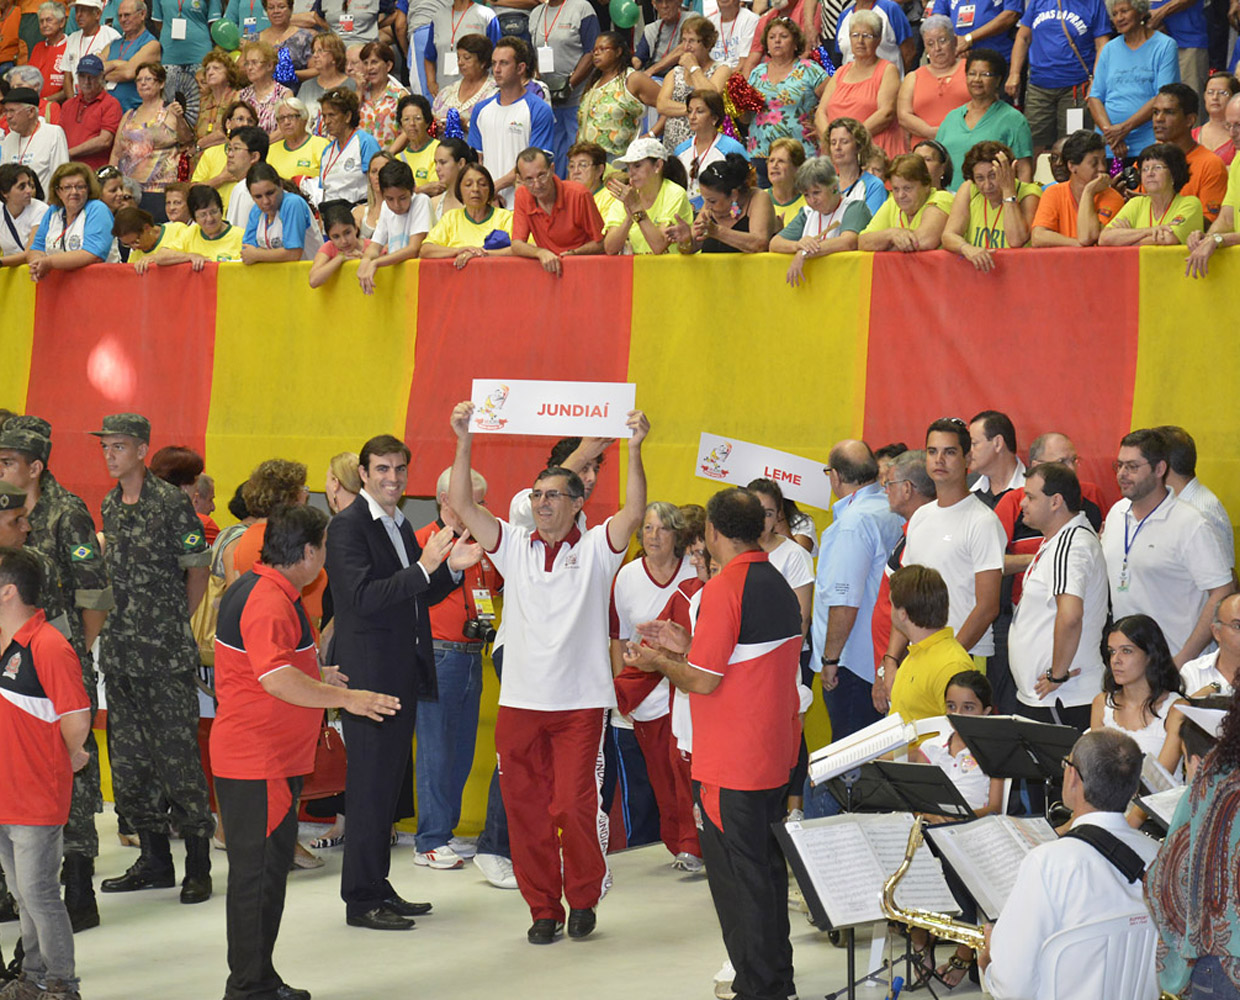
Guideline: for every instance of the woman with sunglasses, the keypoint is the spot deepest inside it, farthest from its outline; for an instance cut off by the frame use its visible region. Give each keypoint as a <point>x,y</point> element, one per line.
<point>707,145</point>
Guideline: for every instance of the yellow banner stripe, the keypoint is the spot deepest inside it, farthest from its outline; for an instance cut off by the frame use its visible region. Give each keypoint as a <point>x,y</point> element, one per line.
<point>17,292</point>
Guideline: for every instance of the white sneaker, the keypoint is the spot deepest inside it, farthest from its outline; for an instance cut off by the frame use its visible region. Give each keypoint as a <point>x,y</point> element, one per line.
<point>443,858</point>
<point>723,982</point>
<point>465,847</point>
<point>686,862</point>
<point>795,816</point>
<point>497,870</point>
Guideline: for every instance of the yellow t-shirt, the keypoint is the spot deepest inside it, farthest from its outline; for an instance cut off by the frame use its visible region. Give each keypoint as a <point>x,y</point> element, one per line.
<point>1232,197</point>
<point>211,164</point>
<point>300,162</point>
<point>456,229</point>
<point>172,236</point>
<point>920,689</point>
<point>786,213</point>
<point>1184,215</point>
<point>889,215</point>
<point>226,246</point>
<point>422,163</point>
<point>671,203</point>
<point>986,223</point>
<point>603,200</point>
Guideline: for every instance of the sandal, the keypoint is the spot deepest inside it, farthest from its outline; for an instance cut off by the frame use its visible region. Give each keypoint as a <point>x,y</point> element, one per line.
<point>323,843</point>
<point>923,967</point>
<point>956,971</point>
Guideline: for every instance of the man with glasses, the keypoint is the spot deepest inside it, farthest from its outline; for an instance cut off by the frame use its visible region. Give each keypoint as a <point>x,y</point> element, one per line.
<point>1223,231</point>
<point>560,215</point>
<point>135,47</point>
<point>558,682</point>
<point>31,142</point>
<point>1214,673</point>
<point>1162,559</point>
<point>1091,873</point>
<point>864,529</point>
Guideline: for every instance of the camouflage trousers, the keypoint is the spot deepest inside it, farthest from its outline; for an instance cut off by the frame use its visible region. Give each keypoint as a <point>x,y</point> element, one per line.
<point>80,834</point>
<point>153,746</point>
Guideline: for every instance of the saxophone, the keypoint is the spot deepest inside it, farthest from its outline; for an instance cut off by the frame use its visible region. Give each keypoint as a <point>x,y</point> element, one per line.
<point>939,924</point>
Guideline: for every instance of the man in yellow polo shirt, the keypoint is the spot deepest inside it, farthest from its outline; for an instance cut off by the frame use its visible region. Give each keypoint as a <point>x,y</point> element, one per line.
<point>919,602</point>
<point>1223,231</point>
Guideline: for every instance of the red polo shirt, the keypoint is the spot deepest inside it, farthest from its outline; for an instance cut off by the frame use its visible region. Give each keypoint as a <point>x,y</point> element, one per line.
<point>573,222</point>
<point>448,617</point>
<point>82,121</point>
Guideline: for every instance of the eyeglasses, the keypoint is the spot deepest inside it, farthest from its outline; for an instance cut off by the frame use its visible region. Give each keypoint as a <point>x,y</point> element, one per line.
<point>954,420</point>
<point>539,495</point>
<point>1234,626</point>
<point>1119,466</point>
<point>288,118</point>
<point>70,188</point>
<point>1232,126</point>
<point>862,36</point>
<point>980,75</point>
<point>893,482</point>
<point>1068,762</point>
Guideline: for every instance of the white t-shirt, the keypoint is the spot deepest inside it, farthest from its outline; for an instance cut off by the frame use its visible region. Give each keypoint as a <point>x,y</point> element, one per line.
<point>556,653</point>
<point>959,541</point>
<point>42,151</point>
<point>637,597</point>
<point>78,45</point>
<point>1069,562</point>
<point>970,780</point>
<point>1173,559</point>
<point>394,231</point>
<point>237,211</point>
<point>1202,672</point>
<point>735,37</point>
<point>24,223</point>
<point>682,715</point>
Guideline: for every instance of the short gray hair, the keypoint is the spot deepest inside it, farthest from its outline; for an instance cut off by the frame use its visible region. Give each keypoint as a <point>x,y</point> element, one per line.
<point>204,484</point>
<point>868,19</point>
<point>1139,7</point>
<point>134,188</point>
<point>445,477</point>
<point>911,466</point>
<point>140,4</point>
<point>1109,763</point>
<point>937,22</point>
<point>50,7</point>
<point>25,76</point>
<point>298,106</point>
<point>817,170</point>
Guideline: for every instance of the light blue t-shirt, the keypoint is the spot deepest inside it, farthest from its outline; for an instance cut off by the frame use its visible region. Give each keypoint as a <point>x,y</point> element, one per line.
<point>1124,80</point>
<point>127,91</point>
<point>90,231</point>
<point>290,230</point>
<point>198,15</point>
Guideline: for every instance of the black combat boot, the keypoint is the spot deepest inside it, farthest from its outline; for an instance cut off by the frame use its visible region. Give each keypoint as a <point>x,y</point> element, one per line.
<point>152,870</point>
<point>196,886</point>
<point>76,874</point>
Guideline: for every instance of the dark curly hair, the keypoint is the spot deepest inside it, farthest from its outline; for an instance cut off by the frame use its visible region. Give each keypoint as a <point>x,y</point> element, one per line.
<point>1160,669</point>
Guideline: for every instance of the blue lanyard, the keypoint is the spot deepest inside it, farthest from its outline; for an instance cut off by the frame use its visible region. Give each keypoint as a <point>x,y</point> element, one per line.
<point>1129,542</point>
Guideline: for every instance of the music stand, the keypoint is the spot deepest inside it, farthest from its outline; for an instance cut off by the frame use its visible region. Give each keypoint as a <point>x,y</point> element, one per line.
<point>1010,746</point>
<point>895,786</point>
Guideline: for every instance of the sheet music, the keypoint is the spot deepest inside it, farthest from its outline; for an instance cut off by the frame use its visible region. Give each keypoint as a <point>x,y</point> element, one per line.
<point>1155,777</point>
<point>987,853</point>
<point>1163,804</point>
<point>843,868</point>
<point>923,886</point>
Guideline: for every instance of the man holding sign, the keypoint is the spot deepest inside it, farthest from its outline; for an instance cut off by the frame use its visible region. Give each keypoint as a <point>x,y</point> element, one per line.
<point>557,677</point>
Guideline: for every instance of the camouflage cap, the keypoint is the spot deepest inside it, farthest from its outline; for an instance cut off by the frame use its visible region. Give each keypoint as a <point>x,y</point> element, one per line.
<point>32,435</point>
<point>11,497</point>
<point>133,424</point>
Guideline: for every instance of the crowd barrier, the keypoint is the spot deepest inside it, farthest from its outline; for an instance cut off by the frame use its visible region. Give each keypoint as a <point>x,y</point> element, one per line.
<point>246,363</point>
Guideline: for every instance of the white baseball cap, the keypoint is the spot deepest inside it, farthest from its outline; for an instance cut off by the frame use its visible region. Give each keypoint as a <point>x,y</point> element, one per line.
<point>647,148</point>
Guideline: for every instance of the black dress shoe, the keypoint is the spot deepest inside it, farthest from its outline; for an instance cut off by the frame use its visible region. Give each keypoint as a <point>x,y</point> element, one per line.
<point>195,889</point>
<point>380,919</point>
<point>544,931</point>
<point>404,908</point>
<point>286,992</point>
<point>581,923</point>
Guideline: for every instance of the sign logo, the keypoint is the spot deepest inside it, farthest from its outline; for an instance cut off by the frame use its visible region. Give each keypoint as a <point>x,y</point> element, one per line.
<point>13,666</point>
<point>715,464</point>
<point>487,417</point>
<point>192,540</point>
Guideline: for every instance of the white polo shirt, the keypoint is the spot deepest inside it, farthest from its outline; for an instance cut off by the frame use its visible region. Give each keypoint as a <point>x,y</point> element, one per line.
<point>1202,672</point>
<point>959,541</point>
<point>1196,494</point>
<point>78,45</point>
<point>393,231</point>
<point>42,151</point>
<point>1069,562</point>
<point>556,652</point>
<point>637,597</point>
<point>682,715</point>
<point>1173,560</point>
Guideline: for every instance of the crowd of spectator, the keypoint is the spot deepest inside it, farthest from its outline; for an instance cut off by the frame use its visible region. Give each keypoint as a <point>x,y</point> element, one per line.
<point>930,125</point>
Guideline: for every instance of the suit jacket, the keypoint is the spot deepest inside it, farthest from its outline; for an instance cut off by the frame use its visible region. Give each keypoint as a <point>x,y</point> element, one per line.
<point>383,631</point>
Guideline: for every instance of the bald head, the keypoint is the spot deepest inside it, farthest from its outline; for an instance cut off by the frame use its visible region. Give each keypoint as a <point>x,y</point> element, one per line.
<point>1231,114</point>
<point>852,465</point>
<point>1228,609</point>
<point>1053,447</point>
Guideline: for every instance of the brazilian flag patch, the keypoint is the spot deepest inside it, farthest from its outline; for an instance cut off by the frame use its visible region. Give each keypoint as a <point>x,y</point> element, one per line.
<point>83,553</point>
<point>191,541</point>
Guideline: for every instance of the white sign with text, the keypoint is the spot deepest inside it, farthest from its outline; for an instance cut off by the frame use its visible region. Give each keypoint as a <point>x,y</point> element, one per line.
<point>735,462</point>
<point>554,409</point>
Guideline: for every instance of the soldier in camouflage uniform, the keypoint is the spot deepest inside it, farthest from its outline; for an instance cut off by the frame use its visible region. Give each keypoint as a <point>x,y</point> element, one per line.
<point>157,559</point>
<point>76,594</point>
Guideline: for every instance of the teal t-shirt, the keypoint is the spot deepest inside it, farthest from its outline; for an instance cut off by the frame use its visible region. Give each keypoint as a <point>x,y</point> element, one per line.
<point>1001,123</point>
<point>240,11</point>
<point>198,15</point>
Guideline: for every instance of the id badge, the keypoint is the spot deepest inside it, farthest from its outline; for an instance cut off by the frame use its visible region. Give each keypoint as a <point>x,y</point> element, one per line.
<point>449,65</point>
<point>346,22</point>
<point>1124,579</point>
<point>484,603</point>
<point>546,59</point>
<point>250,24</point>
<point>179,26</point>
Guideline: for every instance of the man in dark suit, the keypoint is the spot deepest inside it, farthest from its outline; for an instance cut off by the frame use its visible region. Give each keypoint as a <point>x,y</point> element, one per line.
<point>382,584</point>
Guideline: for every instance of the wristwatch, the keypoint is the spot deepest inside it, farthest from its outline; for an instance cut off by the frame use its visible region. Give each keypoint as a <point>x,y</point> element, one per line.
<point>832,662</point>
<point>638,215</point>
<point>1056,680</point>
<point>1218,239</point>
<point>1010,201</point>
<point>969,37</point>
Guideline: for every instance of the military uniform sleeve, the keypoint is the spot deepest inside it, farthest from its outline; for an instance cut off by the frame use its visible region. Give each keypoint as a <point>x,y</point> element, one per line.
<point>190,540</point>
<point>79,547</point>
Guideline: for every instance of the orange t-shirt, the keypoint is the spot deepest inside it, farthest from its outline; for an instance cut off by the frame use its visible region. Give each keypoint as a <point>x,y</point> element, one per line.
<point>245,555</point>
<point>1057,208</point>
<point>12,46</point>
<point>1207,180</point>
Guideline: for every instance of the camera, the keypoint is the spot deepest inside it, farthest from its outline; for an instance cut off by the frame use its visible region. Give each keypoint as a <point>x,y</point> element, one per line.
<point>478,630</point>
<point>1130,177</point>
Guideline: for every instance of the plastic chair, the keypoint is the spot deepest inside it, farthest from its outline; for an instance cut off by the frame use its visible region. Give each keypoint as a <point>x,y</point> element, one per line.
<point>1111,959</point>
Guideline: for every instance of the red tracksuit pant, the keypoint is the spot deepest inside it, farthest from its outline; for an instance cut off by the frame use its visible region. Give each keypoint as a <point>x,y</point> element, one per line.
<point>672,793</point>
<point>550,774</point>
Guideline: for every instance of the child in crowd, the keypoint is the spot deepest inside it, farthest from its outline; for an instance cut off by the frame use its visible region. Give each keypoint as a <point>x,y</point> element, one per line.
<point>404,221</point>
<point>343,241</point>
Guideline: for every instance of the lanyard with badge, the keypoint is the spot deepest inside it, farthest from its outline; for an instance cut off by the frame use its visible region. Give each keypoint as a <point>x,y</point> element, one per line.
<point>346,19</point>
<point>1124,578</point>
<point>450,65</point>
<point>250,24</point>
<point>180,26</point>
<point>546,55</point>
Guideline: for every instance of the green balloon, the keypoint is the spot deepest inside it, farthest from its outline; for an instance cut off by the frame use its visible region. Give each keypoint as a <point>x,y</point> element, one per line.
<point>227,35</point>
<point>624,13</point>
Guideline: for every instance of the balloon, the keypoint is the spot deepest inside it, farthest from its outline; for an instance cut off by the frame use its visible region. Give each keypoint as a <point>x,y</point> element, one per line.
<point>624,13</point>
<point>227,35</point>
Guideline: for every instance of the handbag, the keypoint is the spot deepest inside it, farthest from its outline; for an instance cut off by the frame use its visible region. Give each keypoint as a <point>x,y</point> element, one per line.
<point>557,83</point>
<point>330,761</point>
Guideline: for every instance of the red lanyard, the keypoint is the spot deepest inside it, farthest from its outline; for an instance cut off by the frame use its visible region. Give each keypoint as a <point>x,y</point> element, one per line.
<point>64,230</point>
<point>1152,222</point>
<point>547,29</point>
<point>457,23</point>
<point>731,31</point>
<point>20,151</point>
<point>90,43</point>
<point>986,221</point>
<point>697,160</point>
<point>671,38</point>
<point>339,150</point>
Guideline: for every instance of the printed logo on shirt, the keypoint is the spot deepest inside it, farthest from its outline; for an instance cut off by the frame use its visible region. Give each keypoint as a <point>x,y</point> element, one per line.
<point>350,164</point>
<point>715,466</point>
<point>571,561</point>
<point>303,163</point>
<point>277,243</point>
<point>74,242</point>
<point>487,416</point>
<point>13,666</point>
<point>1061,15</point>
<point>967,12</point>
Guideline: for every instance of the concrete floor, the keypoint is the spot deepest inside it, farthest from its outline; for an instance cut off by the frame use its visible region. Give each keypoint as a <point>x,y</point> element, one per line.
<point>657,937</point>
